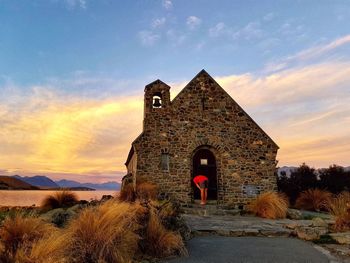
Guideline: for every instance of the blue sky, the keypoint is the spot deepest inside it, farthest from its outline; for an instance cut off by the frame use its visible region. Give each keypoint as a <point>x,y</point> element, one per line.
<point>141,39</point>
<point>63,62</point>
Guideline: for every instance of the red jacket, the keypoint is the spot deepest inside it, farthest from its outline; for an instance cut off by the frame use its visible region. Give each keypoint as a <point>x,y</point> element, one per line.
<point>200,178</point>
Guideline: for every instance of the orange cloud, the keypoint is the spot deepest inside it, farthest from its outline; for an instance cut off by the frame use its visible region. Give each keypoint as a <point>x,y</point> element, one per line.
<point>68,135</point>
<point>305,109</point>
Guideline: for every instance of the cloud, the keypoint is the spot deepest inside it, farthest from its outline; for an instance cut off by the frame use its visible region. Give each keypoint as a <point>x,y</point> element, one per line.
<point>309,54</point>
<point>251,31</point>
<point>291,29</point>
<point>305,109</point>
<point>47,132</point>
<point>176,38</point>
<point>148,38</point>
<point>269,17</point>
<point>158,22</point>
<point>72,4</point>
<point>193,22</point>
<point>219,29</point>
<point>167,4</point>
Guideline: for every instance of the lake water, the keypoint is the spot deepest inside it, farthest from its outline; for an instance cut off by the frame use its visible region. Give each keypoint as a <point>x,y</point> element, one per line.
<point>32,197</point>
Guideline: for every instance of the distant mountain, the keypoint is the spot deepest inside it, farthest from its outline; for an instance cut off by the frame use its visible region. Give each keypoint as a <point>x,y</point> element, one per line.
<point>68,183</point>
<point>38,180</point>
<point>347,168</point>
<point>12,183</point>
<point>103,186</point>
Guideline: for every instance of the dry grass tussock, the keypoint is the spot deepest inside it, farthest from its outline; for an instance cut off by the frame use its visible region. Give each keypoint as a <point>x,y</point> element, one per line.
<point>114,231</point>
<point>144,191</point>
<point>159,241</point>
<point>313,200</point>
<point>59,199</point>
<point>339,207</point>
<point>20,233</point>
<point>269,205</point>
<point>105,234</point>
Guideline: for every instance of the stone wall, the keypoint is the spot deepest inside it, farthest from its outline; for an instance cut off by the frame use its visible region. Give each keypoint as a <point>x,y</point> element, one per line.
<point>204,115</point>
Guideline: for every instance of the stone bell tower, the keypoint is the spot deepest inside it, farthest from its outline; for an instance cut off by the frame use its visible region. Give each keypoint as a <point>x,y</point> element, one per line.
<point>156,104</point>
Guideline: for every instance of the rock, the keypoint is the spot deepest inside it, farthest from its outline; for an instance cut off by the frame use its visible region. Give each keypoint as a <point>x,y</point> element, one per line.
<point>319,222</point>
<point>106,198</point>
<point>294,214</point>
<point>307,234</point>
<point>341,238</point>
<point>310,233</point>
<point>292,225</point>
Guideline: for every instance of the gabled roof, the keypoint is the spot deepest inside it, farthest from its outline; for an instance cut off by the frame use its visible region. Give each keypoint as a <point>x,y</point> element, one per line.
<point>158,81</point>
<point>206,74</point>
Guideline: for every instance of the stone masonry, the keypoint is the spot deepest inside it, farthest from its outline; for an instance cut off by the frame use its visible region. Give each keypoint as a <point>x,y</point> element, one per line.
<point>201,116</point>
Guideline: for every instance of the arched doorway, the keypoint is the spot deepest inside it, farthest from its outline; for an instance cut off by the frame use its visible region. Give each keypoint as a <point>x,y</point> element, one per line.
<point>204,163</point>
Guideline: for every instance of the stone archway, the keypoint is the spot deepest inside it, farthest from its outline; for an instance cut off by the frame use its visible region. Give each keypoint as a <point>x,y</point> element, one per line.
<point>204,163</point>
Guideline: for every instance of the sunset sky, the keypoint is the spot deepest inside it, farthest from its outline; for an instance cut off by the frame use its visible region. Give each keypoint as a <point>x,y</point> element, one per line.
<point>72,75</point>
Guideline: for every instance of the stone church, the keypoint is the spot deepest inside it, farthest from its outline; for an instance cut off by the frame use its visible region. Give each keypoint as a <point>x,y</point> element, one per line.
<point>201,131</point>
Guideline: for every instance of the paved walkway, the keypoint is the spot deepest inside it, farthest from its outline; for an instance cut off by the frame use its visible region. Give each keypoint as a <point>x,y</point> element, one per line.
<point>218,249</point>
<point>239,225</point>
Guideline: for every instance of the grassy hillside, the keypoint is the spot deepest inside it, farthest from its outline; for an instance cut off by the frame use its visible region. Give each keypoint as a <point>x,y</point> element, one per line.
<point>10,183</point>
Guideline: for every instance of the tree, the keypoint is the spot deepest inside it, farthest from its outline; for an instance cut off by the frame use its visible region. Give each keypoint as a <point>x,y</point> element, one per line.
<point>301,179</point>
<point>335,179</point>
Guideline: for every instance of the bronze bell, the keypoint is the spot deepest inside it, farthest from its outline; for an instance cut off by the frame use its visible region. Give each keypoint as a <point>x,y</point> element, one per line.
<point>156,103</point>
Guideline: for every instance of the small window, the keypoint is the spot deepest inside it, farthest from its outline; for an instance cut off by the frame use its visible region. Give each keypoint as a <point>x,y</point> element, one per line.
<point>204,161</point>
<point>165,161</point>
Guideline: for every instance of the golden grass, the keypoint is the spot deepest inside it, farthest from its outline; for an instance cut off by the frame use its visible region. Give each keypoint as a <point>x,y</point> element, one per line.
<point>21,232</point>
<point>118,232</point>
<point>269,205</point>
<point>105,234</point>
<point>161,242</point>
<point>339,207</point>
<point>127,193</point>
<point>313,200</point>
<point>59,199</point>
<point>146,191</point>
<point>46,250</point>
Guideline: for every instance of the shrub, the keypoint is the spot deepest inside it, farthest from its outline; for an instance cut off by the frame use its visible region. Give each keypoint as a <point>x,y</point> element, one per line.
<point>160,242</point>
<point>146,191</point>
<point>339,207</point>
<point>269,205</point>
<point>60,199</point>
<point>18,232</point>
<point>313,200</point>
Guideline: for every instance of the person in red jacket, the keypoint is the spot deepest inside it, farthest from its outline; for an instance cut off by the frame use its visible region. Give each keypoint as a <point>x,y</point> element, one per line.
<point>201,182</point>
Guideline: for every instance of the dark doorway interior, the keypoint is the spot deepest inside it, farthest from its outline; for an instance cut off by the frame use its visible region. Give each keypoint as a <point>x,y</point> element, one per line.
<point>204,163</point>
